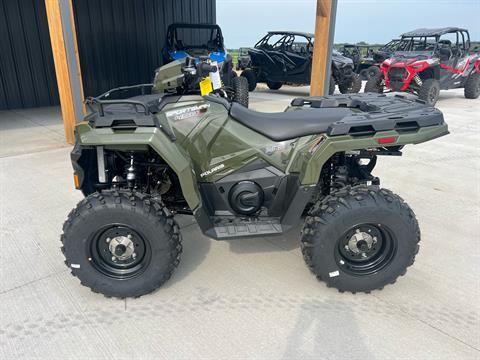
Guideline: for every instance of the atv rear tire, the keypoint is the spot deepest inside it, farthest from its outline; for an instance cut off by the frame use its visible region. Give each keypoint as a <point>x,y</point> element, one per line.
<point>472,86</point>
<point>374,85</point>
<point>121,243</point>
<point>251,78</point>
<point>274,85</point>
<point>429,91</point>
<point>331,86</point>
<point>240,90</point>
<point>360,238</point>
<point>354,86</point>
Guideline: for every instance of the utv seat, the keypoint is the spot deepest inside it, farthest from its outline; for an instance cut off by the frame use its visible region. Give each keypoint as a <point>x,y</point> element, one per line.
<point>290,124</point>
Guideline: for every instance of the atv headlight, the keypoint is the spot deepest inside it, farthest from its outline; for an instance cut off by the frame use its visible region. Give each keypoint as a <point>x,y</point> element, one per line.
<point>420,65</point>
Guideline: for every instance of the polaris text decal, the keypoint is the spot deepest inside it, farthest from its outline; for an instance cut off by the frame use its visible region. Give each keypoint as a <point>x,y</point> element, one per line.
<point>212,170</point>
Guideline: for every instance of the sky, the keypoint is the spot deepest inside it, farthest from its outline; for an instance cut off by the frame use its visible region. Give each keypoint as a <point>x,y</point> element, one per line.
<point>244,22</point>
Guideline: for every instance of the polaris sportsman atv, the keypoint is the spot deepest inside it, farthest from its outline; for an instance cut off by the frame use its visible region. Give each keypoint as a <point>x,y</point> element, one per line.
<point>200,41</point>
<point>286,57</point>
<point>430,60</point>
<point>241,173</point>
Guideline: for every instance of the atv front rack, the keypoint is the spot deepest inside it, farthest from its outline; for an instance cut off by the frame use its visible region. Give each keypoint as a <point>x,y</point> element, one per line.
<point>125,111</point>
<point>101,101</point>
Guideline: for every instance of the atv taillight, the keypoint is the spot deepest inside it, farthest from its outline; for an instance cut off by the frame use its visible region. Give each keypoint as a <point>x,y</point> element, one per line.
<point>387,140</point>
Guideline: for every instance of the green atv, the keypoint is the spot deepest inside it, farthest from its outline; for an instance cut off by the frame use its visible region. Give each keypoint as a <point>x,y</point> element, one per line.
<point>240,173</point>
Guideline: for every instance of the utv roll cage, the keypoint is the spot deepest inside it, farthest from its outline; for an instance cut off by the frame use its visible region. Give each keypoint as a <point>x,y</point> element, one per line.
<point>175,42</point>
<point>429,39</point>
<point>391,45</point>
<point>286,41</point>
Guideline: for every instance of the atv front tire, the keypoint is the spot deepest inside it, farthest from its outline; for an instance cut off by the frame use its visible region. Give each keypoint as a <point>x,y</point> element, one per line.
<point>121,243</point>
<point>240,90</point>
<point>429,91</point>
<point>354,86</point>
<point>360,238</point>
<point>374,85</point>
<point>472,86</point>
<point>251,78</point>
<point>274,85</point>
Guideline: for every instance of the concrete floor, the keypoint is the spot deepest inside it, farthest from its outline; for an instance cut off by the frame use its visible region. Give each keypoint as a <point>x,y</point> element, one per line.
<point>244,299</point>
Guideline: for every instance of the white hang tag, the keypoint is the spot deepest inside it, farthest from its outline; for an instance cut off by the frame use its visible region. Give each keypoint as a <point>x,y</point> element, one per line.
<point>215,77</point>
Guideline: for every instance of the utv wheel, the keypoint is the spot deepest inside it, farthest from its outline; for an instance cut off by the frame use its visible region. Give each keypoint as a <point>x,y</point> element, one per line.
<point>364,74</point>
<point>251,78</point>
<point>374,85</point>
<point>274,85</point>
<point>472,86</point>
<point>331,86</point>
<point>429,91</point>
<point>373,71</point>
<point>240,90</point>
<point>121,243</point>
<point>360,238</point>
<point>354,86</point>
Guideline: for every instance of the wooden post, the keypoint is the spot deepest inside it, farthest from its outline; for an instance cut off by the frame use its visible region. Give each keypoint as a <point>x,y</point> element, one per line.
<point>321,49</point>
<point>66,62</point>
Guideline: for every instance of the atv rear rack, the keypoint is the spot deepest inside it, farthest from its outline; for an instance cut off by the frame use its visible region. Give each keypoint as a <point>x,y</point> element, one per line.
<point>375,112</point>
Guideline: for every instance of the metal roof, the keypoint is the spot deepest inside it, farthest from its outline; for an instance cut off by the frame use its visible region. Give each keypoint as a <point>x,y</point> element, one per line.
<point>299,33</point>
<point>432,32</point>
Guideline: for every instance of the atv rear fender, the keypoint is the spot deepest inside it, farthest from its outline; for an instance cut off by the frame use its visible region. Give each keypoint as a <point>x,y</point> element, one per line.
<point>144,137</point>
<point>311,157</point>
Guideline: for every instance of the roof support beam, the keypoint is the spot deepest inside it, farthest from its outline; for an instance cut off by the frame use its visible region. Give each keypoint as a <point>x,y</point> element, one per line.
<point>61,25</point>
<point>322,50</point>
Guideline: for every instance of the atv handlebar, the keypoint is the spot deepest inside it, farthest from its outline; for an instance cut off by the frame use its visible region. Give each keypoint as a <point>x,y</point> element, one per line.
<point>206,68</point>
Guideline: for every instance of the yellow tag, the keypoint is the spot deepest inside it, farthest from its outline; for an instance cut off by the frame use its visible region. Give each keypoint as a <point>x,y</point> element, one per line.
<point>206,86</point>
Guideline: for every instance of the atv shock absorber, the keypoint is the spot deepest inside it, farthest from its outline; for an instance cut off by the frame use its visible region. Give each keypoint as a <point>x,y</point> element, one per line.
<point>131,173</point>
<point>417,80</point>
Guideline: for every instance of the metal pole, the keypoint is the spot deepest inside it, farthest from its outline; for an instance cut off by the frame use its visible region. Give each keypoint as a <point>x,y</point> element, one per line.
<point>331,39</point>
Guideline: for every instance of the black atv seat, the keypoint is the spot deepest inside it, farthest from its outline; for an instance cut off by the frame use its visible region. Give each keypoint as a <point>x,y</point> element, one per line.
<point>287,125</point>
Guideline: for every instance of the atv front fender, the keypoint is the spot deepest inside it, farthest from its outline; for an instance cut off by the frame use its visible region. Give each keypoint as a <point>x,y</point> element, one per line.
<point>312,156</point>
<point>144,137</point>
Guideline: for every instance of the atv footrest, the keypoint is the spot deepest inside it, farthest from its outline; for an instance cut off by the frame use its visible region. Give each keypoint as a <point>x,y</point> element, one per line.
<point>228,230</point>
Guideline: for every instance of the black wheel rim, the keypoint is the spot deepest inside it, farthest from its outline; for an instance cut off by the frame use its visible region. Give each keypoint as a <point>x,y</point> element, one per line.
<point>119,251</point>
<point>433,95</point>
<point>365,249</point>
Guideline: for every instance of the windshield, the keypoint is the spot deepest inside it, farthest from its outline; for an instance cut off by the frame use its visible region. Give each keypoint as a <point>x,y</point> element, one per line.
<point>186,38</point>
